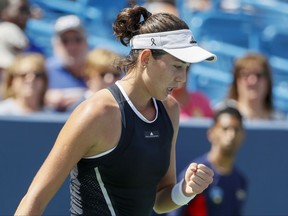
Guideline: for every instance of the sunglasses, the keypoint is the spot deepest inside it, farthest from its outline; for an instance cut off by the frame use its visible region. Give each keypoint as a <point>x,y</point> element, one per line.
<point>37,75</point>
<point>115,75</point>
<point>67,40</point>
<point>246,75</point>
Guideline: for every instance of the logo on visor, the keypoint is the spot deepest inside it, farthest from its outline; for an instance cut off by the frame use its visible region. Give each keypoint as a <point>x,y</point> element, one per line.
<point>153,42</point>
<point>192,41</point>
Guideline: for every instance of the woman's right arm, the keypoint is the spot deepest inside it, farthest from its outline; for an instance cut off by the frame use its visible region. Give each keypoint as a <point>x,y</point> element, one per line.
<point>81,135</point>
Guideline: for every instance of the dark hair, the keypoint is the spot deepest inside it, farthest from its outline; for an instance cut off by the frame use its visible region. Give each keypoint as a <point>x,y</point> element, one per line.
<point>138,20</point>
<point>231,110</point>
<point>241,63</point>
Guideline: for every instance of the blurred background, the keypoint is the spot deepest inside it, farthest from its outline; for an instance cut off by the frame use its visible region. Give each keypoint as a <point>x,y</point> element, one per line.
<point>229,28</point>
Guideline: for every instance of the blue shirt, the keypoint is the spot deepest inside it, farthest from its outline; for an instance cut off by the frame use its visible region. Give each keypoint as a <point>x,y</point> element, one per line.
<point>225,196</point>
<point>60,77</point>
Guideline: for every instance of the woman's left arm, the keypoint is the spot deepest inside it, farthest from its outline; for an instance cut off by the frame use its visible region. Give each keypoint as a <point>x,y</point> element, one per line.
<point>197,178</point>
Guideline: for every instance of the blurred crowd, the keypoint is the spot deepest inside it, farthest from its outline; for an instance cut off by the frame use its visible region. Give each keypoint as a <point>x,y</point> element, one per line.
<point>33,82</point>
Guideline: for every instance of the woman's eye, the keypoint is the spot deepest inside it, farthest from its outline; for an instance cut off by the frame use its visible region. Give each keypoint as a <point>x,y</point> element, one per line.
<point>178,66</point>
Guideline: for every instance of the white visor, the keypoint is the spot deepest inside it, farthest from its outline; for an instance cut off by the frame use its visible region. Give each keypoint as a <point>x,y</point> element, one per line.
<point>180,44</point>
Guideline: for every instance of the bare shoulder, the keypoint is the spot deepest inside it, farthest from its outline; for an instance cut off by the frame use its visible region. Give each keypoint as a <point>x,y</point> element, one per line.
<point>94,118</point>
<point>101,107</point>
<point>99,104</point>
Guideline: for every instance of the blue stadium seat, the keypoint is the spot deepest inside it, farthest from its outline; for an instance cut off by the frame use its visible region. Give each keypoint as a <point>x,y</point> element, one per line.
<point>212,82</point>
<point>280,97</point>
<point>280,70</point>
<point>226,54</point>
<point>277,44</point>
<point>41,32</point>
<point>95,41</point>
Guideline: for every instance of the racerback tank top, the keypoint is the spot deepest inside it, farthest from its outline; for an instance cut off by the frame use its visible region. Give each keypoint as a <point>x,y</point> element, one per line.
<point>123,182</point>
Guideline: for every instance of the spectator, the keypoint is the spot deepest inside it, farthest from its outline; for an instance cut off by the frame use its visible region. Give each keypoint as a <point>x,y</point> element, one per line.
<point>99,72</point>
<point>12,42</point>
<point>2,72</point>
<point>15,11</point>
<point>66,67</point>
<point>208,5</point>
<point>162,6</point>
<point>18,12</point>
<point>198,5</point>
<point>228,191</point>
<point>252,88</point>
<point>25,85</point>
<point>192,103</point>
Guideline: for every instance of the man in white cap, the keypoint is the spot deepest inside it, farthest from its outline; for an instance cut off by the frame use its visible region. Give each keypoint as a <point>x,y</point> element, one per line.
<point>65,68</point>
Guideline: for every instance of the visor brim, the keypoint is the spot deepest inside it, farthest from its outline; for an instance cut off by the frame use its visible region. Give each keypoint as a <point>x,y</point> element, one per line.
<point>192,54</point>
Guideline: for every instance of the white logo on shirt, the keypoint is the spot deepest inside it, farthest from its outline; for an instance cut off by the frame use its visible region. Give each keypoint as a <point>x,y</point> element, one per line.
<point>151,134</point>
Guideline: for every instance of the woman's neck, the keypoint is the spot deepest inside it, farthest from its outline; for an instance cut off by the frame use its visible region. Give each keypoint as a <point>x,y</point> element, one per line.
<point>139,98</point>
<point>253,110</point>
<point>223,164</point>
<point>29,105</point>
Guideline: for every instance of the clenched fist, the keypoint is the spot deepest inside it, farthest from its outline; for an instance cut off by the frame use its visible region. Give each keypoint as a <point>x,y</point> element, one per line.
<point>197,178</point>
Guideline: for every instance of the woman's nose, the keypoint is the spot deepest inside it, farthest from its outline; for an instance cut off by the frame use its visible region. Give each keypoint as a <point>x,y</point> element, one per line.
<point>182,76</point>
<point>252,78</point>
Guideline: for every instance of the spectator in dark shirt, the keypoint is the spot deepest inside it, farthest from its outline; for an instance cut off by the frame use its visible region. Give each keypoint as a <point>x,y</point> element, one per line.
<point>227,194</point>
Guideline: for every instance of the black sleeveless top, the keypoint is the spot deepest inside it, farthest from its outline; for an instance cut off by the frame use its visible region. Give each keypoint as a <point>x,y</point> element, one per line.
<point>123,182</point>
